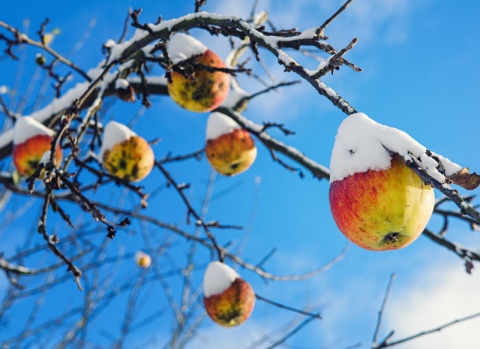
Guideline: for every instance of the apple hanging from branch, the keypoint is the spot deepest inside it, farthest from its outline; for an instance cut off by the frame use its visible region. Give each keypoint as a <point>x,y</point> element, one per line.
<point>228,299</point>
<point>124,154</point>
<point>229,149</point>
<point>377,201</point>
<point>31,140</point>
<point>207,88</point>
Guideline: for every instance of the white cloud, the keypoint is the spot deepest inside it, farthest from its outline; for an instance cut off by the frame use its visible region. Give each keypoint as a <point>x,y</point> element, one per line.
<point>435,297</point>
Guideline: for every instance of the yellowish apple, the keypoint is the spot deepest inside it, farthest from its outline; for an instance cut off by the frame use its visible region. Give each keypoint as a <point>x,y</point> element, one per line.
<point>142,259</point>
<point>228,299</point>
<point>206,89</point>
<point>31,141</point>
<point>124,154</point>
<point>382,210</point>
<point>229,149</point>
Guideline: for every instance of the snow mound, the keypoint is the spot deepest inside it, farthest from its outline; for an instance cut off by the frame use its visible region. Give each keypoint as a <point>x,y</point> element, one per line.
<point>114,133</point>
<point>362,144</point>
<point>27,127</point>
<point>183,46</point>
<point>219,124</point>
<point>218,277</point>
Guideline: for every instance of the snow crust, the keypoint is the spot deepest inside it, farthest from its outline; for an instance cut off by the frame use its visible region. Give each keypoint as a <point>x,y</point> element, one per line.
<point>183,46</point>
<point>218,277</point>
<point>121,84</point>
<point>114,133</point>
<point>362,144</point>
<point>27,127</point>
<point>219,124</point>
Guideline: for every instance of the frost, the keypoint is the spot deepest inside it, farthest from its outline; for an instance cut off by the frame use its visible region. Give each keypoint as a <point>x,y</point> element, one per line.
<point>219,124</point>
<point>27,127</point>
<point>362,144</point>
<point>183,46</point>
<point>218,277</point>
<point>114,133</point>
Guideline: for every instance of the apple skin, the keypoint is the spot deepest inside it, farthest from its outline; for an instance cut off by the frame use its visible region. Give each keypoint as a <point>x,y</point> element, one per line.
<point>27,155</point>
<point>382,210</point>
<point>231,153</point>
<point>206,91</point>
<point>131,160</point>
<point>233,306</point>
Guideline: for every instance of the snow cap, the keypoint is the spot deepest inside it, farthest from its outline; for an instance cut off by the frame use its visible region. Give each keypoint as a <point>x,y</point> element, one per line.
<point>121,83</point>
<point>218,277</point>
<point>362,144</point>
<point>27,127</point>
<point>114,133</point>
<point>183,46</point>
<point>219,124</point>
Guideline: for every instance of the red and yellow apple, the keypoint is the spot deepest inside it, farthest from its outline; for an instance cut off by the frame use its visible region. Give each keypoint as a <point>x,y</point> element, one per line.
<point>228,299</point>
<point>31,140</point>
<point>124,154</point>
<point>207,88</point>
<point>229,149</point>
<point>142,259</point>
<point>382,209</point>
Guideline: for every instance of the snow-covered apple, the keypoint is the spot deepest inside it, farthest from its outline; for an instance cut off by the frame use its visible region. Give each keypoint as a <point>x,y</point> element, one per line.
<point>142,259</point>
<point>376,200</point>
<point>124,154</point>
<point>31,140</point>
<point>228,299</point>
<point>229,149</point>
<point>207,88</point>
<point>124,90</point>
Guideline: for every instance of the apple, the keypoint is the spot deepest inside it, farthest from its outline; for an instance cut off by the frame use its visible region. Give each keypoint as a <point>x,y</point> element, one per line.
<point>229,149</point>
<point>31,140</point>
<point>124,90</point>
<point>124,154</point>
<point>142,259</point>
<point>228,299</point>
<point>382,209</point>
<point>205,90</point>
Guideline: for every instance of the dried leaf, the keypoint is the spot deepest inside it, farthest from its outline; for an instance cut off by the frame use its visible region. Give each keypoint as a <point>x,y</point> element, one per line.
<point>465,179</point>
<point>468,266</point>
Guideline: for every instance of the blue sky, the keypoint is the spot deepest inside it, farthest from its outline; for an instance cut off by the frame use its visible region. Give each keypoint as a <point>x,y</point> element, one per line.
<point>420,75</point>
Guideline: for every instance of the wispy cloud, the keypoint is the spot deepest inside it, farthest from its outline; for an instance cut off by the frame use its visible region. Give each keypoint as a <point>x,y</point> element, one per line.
<point>436,296</point>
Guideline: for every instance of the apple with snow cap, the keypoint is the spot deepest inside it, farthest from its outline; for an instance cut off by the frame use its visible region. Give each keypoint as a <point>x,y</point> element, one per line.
<point>228,299</point>
<point>124,154</point>
<point>31,140</point>
<point>377,202</point>
<point>207,88</point>
<point>124,90</point>
<point>230,149</point>
<point>142,259</point>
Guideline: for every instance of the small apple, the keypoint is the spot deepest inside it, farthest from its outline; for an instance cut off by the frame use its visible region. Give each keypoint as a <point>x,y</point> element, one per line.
<point>31,140</point>
<point>228,299</point>
<point>206,90</point>
<point>382,209</point>
<point>124,154</point>
<point>229,149</point>
<point>124,90</point>
<point>142,259</point>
